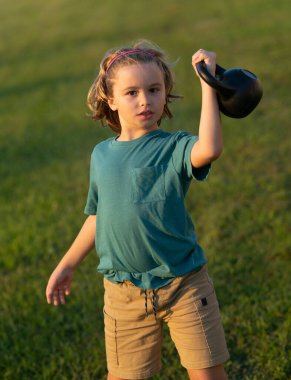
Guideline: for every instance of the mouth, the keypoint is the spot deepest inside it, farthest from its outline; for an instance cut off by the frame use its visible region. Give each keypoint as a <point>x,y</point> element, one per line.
<point>146,114</point>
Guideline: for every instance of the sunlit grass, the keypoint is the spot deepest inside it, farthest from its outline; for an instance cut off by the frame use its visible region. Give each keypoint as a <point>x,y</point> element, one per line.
<point>49,57</point>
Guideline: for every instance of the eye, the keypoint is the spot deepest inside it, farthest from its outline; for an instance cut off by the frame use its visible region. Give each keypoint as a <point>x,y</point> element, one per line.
<point>154,89</point>
<point>132,93</point>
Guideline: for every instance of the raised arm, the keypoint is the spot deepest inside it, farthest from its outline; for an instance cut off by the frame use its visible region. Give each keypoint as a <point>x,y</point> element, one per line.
<point>210,144</point>
<point>60,281</point>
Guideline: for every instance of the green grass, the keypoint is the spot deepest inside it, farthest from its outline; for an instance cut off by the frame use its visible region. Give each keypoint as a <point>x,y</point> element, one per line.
<point>49,55</point>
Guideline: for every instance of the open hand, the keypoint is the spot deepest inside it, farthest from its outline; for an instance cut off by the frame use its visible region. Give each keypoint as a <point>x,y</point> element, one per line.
<point>59,286</point>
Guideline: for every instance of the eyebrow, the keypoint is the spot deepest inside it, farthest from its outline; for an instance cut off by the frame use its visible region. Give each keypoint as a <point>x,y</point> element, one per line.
<point>151,85</point>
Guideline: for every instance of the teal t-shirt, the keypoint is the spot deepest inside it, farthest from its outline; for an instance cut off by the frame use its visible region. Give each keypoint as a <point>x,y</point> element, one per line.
<point>144,233</point>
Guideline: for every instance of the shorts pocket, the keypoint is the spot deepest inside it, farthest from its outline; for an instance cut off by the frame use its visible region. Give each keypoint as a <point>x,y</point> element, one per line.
<point>207,302</point>
<point>200,284</point>
<point>207,309</point>
<point>148,184</point>
<point>110,329</point>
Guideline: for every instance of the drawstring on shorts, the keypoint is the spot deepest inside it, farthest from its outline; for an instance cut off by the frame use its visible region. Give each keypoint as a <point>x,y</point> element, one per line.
<point>153,298</point>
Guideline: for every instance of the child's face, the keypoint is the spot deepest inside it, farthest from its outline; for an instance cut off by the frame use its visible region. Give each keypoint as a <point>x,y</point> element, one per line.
<point>139,96</point>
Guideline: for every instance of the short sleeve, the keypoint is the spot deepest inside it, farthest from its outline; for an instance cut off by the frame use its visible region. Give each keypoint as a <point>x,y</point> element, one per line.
<point>181,158</point>
<point>92,198</point>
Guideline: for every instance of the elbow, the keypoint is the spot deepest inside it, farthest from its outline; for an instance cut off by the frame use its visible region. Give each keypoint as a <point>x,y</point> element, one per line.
<point>215,153</point>
<point>201,156</point>
<point>218,153</point>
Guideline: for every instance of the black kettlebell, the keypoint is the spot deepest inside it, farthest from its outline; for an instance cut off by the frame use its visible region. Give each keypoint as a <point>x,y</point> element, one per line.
<point>238,91</point>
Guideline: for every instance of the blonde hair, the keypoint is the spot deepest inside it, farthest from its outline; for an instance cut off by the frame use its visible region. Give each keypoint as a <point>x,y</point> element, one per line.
<point>141,51</point>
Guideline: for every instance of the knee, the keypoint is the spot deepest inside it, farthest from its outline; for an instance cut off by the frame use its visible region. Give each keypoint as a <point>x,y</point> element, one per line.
<point>212,373</point>
<point>112,377</point>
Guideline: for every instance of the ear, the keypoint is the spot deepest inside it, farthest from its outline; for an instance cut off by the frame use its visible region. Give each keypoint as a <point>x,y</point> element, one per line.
<point>112,104</point>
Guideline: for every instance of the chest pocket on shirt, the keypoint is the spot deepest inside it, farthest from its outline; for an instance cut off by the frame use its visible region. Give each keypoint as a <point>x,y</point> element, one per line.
<point>148,184</point>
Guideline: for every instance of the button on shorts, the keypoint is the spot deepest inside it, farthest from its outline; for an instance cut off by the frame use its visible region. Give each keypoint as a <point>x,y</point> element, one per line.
<point>133,325</point>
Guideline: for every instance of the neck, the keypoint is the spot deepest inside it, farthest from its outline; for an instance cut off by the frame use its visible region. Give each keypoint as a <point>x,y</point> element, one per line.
<point>132,134</point>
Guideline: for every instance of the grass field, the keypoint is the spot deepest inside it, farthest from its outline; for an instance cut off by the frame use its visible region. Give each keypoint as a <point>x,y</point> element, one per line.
<point>49,57</point>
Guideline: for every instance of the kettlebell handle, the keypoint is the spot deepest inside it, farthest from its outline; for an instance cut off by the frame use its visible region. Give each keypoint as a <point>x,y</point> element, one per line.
<point>223,89</point>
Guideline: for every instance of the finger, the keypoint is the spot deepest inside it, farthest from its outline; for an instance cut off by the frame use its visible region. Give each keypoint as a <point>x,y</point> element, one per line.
<point>199,55</point>
<point>62,296</point>
<point>67,290</point>
<point>49,295</point>
<point>49,298</point>
<point>196,58</point>
<point>209,59</point>
<point>203,55</point>
<point>194,63</point>
<point>56,297</point>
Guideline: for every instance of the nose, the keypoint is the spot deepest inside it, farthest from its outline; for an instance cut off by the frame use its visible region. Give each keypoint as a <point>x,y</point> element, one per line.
<point>144,99</point>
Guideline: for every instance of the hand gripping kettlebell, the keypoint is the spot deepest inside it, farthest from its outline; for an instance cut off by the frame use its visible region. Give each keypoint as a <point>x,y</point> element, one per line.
<point>238,91</point>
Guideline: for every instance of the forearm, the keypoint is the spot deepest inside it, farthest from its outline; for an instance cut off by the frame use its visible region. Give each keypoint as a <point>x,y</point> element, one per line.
<point>210,130</point>
<point>81,246</point>
<point>210,144</point>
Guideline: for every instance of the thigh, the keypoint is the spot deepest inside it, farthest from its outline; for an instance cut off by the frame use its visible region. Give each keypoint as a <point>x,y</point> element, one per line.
<point>133,340</point>
<point>195,323</point>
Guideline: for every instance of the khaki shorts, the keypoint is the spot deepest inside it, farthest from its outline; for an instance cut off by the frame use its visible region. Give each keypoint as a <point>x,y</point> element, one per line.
<point>133,325</point>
